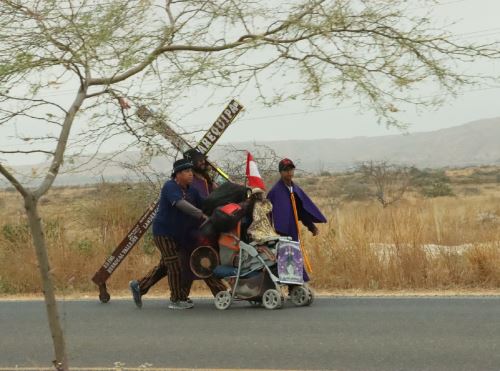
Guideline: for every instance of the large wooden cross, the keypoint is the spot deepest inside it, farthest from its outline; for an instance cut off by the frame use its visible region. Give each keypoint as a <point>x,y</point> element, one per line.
<point>140,227</point>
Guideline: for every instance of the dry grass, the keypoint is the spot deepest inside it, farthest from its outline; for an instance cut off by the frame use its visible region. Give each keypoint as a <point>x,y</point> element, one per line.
<point>362,247</point>
<point>368,247</point>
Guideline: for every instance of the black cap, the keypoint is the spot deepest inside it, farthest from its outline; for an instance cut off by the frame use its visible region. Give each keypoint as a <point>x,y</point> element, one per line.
<point>194,154</point>
<point>180,165</point>
<point>286,164</point>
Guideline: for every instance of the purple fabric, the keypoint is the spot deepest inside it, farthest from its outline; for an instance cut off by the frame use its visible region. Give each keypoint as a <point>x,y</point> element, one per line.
<point>201,186</point>
<point>282,214</point>
<point>283,217</point>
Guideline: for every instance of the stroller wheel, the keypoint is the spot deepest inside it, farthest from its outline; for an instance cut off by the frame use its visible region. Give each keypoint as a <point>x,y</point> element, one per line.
<point>300,296</point>
<point>223,300</point>
<point>272,299</point>
<point>311,296</point>
<point>255,303</point>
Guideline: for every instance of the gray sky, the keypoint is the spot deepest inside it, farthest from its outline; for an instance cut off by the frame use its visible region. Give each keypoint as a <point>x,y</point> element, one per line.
<point>477,21</point>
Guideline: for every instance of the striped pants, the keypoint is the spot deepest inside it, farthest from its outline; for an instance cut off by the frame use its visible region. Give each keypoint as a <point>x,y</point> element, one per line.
<point>170,265</point>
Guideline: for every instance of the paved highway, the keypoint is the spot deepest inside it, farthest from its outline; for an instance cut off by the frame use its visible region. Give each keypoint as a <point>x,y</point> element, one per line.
<point>341,333</point>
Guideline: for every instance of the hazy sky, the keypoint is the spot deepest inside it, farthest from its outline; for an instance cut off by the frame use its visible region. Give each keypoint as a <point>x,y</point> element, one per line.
<point>477,21</point>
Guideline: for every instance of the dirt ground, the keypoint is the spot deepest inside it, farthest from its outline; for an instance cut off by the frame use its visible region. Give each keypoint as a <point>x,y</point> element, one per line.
<point>124,295</point>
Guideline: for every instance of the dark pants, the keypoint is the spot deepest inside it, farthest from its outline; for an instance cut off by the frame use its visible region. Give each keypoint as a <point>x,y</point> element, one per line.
<point>170,265</point>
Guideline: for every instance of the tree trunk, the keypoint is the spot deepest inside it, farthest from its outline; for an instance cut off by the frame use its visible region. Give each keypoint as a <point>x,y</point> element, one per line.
<point>61,361</point>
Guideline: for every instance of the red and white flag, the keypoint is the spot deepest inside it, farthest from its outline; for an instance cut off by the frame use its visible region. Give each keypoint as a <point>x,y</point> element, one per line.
<point>254,180</point>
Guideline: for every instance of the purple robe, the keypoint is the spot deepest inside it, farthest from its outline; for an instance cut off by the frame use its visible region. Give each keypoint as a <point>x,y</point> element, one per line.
<point>283,217</point>
<point>201,185</point>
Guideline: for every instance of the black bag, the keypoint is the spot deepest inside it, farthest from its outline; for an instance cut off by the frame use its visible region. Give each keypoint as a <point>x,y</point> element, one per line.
<point>225,218</point>
<point>223,195</point>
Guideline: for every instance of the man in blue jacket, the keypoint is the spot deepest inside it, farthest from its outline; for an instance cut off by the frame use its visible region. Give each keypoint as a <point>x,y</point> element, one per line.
<point>174,230</point>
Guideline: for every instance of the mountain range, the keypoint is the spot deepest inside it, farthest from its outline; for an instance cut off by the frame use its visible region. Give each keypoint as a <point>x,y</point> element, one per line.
<point>474,143</point>
<point>471,144</point>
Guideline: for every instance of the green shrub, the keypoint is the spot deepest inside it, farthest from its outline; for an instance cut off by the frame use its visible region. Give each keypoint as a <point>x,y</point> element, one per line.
<point>148,244</point>
<point>471,191</point>
<point>427,178</point>
<point>15,233</point>
<point>52,229</point>
<point>356,191</point>
<point>437,189</point>
<point>82,246</point>
<point>6,287</point>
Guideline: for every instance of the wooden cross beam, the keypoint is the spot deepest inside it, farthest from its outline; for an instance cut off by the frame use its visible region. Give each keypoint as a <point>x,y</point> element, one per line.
<point>141,226</point>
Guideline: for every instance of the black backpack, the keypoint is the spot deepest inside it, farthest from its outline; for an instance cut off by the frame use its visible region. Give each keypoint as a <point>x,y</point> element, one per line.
<point>225,218</point>
<point>223,195</point>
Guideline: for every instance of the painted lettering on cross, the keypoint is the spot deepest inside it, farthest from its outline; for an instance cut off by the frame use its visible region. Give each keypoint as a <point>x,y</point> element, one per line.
<point>219,126</point>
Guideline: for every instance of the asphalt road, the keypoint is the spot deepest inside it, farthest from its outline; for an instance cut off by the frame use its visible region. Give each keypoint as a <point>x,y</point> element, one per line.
<point>334,333</point>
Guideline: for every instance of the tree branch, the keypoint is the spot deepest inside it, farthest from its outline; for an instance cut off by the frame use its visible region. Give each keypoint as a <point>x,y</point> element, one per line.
<point>12,179</point>
<point>62,142</point>
<point>32,151</point>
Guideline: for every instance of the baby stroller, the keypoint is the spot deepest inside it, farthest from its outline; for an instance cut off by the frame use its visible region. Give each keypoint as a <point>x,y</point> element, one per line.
<point>258,273</point>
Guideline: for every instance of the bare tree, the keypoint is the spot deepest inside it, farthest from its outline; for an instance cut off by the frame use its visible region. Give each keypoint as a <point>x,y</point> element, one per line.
<point>232,158</point>
<point>391,181</point>
<point>110,55</point>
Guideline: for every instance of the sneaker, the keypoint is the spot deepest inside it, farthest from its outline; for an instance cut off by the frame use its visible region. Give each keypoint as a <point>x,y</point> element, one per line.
<point>189,301</point>
<point>180,305</point>
<point>136,292</point>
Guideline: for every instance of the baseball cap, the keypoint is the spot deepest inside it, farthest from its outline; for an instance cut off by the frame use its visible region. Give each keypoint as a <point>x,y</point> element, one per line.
<point>286,164</point>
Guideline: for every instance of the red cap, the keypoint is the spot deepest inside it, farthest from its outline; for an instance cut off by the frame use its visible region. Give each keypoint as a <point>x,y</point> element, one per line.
<point>286,164</point>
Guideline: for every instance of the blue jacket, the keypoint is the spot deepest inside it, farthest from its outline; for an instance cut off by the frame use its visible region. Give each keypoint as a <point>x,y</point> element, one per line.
<point>172,222</point>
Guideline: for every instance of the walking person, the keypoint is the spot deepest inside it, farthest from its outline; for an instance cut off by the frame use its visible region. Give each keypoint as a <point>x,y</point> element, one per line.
<point>291,205</point>
<point>174,230</point>
<point>201,178</point>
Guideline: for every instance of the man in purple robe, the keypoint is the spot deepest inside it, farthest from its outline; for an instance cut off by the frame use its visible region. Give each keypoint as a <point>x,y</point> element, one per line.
<point>283,193</point>
<point>201,179</point>
<point>283,214</point>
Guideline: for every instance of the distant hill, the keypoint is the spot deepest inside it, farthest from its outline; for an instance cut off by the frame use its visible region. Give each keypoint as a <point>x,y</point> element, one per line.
<point>474,143</point>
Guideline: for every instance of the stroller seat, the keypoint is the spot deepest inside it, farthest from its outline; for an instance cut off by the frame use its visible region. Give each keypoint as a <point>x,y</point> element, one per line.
<point>232,250</point>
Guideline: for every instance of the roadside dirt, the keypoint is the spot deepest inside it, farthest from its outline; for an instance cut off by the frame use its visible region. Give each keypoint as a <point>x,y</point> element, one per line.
<point>124,295</point>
